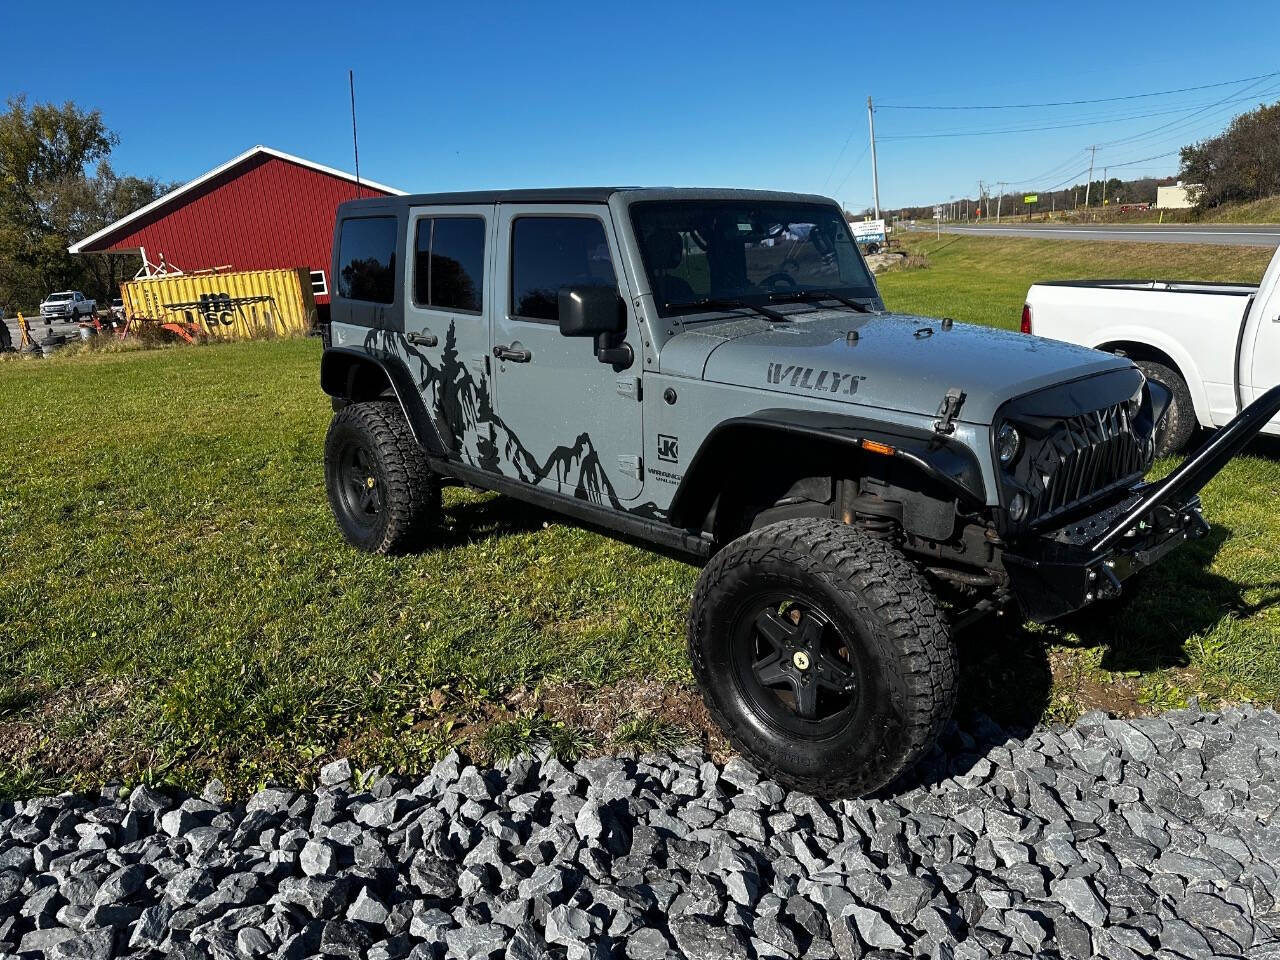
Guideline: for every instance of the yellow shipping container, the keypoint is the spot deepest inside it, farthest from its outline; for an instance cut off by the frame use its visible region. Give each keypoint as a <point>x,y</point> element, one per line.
<point>226,306</point>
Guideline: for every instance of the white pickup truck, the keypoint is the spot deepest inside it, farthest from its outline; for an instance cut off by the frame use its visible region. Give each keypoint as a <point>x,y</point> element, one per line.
<point>1216,346</point>
<point>68,305</point>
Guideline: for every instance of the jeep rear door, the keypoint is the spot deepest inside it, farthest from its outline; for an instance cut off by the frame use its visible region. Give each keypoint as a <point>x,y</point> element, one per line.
<point>564,420</point>
<point>446,319</point>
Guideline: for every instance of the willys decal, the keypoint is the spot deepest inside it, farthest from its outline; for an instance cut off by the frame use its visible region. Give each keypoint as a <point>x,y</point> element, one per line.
<point>810,378</point>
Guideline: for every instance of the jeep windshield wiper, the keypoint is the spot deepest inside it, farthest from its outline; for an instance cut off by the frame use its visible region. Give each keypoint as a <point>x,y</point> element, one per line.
<point>813,296</point>
<point>728,303</point>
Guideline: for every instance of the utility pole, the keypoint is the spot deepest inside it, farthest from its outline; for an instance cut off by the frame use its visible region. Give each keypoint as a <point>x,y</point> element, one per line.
<point>1104,186</point>
<point>875,175</point>
<point>1092,152</point>
<point>1000,199</point>
<point>982,196</point>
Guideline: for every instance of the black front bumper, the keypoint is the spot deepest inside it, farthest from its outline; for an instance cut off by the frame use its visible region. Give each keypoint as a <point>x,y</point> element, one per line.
<point>1087,559</point>
<point>1059,572</point>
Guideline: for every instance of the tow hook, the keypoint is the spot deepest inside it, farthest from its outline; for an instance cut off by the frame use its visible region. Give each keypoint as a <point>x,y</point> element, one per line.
<point>1197,525</point>
<point>1104,583</point>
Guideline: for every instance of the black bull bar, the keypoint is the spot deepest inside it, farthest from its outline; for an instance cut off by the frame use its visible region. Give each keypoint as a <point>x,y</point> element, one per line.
<point>1059,571</point>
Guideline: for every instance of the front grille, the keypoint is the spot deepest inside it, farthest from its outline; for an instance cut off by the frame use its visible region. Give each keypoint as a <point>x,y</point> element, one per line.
<point>1081,457</point>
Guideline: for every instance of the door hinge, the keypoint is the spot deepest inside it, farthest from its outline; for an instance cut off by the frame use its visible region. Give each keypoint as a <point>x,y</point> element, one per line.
<point>630,465</point>
<point>629,387</point>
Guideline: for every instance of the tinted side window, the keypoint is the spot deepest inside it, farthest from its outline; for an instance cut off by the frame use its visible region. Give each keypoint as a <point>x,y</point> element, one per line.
<point>548,253</point>
<point>422,262</point>
<point>367,259</point>
<point>448,268</point>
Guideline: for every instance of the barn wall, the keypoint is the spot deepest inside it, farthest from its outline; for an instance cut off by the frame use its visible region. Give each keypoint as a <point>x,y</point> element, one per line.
<point>267,213</point>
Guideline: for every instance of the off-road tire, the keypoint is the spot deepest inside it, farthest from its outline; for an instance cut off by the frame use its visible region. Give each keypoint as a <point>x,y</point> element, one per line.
<point>410,514</point>
<point>904,652</point>
<point>1180,420</point>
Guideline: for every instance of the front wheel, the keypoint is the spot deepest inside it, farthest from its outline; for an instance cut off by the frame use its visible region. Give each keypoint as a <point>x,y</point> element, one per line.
<point>381,488</point>
<point>823,655</point>
<point>1179,424</point>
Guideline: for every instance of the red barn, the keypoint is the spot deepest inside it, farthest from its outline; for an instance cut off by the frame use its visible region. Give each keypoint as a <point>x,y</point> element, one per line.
<point>262,210</point>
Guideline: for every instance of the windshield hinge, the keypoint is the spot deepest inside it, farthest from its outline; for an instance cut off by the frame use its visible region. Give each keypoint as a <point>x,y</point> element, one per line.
<point>949,410</point>
<point>629,387</point>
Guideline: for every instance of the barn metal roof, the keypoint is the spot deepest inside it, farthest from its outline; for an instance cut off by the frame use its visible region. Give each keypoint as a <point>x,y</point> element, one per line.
<point>81,245</point>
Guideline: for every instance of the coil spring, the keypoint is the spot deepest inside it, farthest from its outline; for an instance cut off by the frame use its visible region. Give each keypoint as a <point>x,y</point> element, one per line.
<point>877,527</point>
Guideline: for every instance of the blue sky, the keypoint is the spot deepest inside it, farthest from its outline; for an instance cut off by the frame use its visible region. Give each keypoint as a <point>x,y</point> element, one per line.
<point>485,95</point>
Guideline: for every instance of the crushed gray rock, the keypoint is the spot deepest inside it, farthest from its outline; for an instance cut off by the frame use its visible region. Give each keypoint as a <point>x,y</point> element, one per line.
<point>1154,837</point>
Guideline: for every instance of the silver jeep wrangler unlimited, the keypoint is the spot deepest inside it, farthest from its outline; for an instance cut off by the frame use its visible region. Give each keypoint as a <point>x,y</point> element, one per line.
<point>714,373</point>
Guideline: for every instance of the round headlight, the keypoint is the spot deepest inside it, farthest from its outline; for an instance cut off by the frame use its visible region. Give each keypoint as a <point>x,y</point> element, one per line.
<point>1008,443</point>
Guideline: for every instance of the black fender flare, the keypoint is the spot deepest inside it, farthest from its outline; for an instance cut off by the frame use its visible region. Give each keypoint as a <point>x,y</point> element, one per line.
<point>339,367</point>
<point>939,458</point>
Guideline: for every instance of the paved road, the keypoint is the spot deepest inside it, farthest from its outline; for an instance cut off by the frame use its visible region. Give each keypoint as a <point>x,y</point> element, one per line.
<point>40,331</point>
<point>1226,234</point>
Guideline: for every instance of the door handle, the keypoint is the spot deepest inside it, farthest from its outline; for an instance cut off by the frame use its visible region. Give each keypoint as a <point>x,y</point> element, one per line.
<point>514,354</point>
<point>422,339</point>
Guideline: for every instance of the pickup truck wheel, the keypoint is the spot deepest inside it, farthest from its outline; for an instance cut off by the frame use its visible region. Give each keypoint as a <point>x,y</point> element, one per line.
<point>1180,420</point>
<point>823,655</point>
<point>381,489</point>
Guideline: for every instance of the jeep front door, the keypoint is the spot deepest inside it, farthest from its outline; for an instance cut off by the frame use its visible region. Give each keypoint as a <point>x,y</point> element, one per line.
<point>446,320</point>
<point>565,420</point>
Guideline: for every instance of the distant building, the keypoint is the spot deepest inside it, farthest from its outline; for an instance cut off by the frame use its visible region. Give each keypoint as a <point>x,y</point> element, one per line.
<point>261,210</point>
<point>1178,197</point>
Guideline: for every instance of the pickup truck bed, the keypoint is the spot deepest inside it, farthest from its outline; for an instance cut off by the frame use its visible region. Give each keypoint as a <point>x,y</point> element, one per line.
<point>1217,338</point>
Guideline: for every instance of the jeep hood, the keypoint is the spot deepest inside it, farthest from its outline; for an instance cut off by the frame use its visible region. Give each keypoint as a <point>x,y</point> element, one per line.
<point>890,361</point>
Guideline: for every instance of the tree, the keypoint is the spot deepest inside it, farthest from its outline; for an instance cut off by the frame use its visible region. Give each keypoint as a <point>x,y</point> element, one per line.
<point>1242,163</point>
<point>49,199</point>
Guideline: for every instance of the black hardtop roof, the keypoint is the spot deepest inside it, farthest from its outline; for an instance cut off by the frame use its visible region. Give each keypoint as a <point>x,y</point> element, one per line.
<point>573,195</point>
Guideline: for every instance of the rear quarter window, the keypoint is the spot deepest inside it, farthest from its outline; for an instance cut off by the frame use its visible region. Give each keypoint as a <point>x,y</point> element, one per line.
<point>448,270</point>
<point>367,259</point>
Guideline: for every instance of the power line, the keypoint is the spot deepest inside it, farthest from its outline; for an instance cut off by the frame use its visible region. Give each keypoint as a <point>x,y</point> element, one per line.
<point>1075,103</point>
<point>856,164</point>
<point>1187,113</point>
<point>1081,119</point>
<point>1179,123</point>
<point>1057,168</point>
<point>839,157</point>
<point>1158,156</point>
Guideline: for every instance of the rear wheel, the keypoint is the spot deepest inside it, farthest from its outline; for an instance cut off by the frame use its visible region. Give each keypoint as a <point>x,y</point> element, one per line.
<point>823,655</point>
<point>1179,424</point>
<point>381,488</point>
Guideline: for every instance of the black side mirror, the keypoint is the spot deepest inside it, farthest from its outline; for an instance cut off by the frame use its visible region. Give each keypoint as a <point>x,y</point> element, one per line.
<point>596,312</point>
<point>590,311</point>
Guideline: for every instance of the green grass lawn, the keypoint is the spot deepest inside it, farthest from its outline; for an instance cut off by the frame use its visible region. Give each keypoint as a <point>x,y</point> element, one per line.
<point>175,602</point>
<point>979,279</point>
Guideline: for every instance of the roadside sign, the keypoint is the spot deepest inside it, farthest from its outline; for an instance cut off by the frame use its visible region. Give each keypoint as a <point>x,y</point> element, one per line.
<point>868,231</point>
<point>1031,198</point>
<point>937,212</point>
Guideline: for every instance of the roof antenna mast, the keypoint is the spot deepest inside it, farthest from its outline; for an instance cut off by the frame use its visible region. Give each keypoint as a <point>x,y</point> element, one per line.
<point>355,141</point>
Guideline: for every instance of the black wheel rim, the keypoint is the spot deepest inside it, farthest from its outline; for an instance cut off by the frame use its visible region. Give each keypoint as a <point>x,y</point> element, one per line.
<point>359,486</point>
<point>795,665</point>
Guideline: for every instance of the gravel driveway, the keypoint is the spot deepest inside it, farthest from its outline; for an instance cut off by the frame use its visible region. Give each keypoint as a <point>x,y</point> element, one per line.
<point>1149,837</point>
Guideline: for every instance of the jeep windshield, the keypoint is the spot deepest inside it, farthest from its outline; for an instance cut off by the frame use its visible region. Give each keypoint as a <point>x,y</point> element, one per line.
<point>702,255</point>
